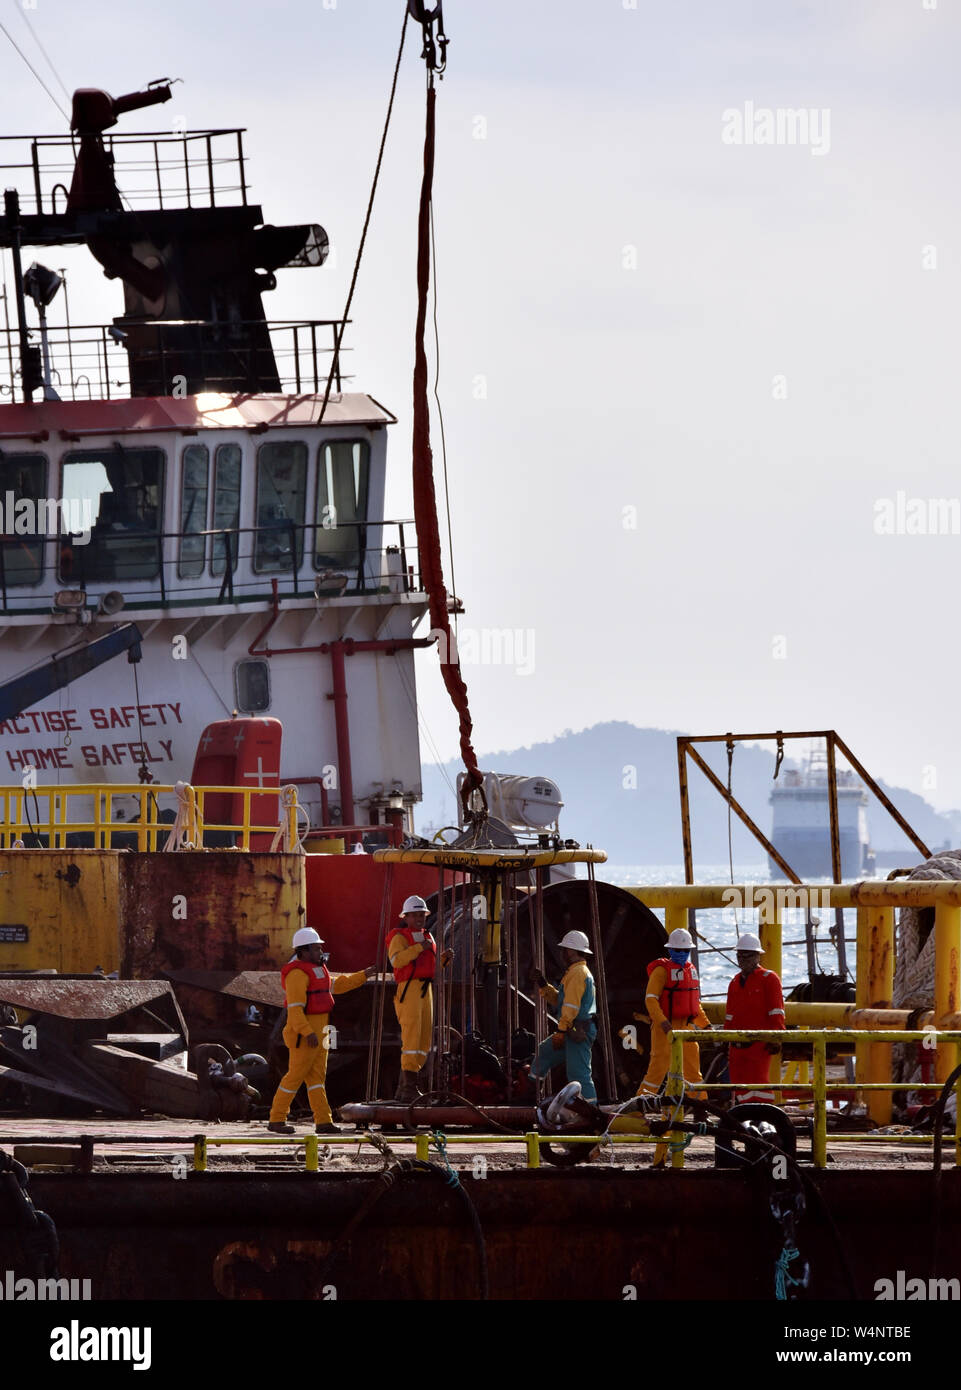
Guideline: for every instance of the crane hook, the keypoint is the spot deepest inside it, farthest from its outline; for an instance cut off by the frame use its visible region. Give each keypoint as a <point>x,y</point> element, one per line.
<point>417,9</point>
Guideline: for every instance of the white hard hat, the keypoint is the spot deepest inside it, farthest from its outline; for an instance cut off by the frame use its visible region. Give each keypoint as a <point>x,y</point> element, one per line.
<point>306,936</point>
<point>413,904</point>
<point>680,939</point>
<point>577,941</point>
<point>749,942</point>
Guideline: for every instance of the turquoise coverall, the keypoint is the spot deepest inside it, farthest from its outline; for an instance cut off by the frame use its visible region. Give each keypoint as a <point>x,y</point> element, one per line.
<point>578,985</point>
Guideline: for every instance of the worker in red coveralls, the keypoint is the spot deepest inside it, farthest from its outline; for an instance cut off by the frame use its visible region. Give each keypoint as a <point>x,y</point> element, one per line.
<point>754,1000</point>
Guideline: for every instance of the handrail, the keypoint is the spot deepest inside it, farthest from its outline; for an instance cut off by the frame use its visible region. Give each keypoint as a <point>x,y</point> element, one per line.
<point>20,814</point>
<point>819,1086</point>
<point>152,156</point>
<point>290,347</point>
<point>304,563</point>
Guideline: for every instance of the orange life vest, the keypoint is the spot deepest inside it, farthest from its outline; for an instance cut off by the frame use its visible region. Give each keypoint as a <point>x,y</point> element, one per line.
<point>423,967</point>
<point>681,997</point>
<point>320,996</point>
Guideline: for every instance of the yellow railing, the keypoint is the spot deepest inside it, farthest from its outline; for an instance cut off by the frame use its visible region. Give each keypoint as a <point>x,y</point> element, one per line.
<point>819,1086</point>
<point>54,813</point>
<point>876,902</point>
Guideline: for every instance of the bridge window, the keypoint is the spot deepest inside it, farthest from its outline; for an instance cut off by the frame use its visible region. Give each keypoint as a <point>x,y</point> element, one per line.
<point>281,502</point>
<point>226,505</point>
<point>342,485</point>
<point>27,517</point>
<point>193,509</point>
<point>252,686</point>
<point>121,490</point>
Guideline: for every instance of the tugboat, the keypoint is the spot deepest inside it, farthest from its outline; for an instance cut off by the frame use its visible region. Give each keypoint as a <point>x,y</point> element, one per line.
<point>202,471</point>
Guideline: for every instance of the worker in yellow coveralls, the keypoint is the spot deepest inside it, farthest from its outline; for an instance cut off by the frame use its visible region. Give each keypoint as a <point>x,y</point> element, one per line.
<point>673,999</point>
<point>412,952</point>
<point>309,989</point>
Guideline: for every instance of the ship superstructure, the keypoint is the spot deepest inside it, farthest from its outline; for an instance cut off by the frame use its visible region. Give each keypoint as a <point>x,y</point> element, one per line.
<point>203,470</point>
<point>801,821</point>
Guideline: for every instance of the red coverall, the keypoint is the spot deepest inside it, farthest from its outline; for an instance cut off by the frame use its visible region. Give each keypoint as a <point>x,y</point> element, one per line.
<point>753,1001</point>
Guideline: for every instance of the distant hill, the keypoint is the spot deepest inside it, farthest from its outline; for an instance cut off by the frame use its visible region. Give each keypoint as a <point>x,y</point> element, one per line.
<point>619,785</point>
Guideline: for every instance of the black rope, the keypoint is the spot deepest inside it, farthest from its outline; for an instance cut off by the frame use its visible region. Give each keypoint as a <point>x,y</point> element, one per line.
<point>145,774</point>
<point>401,1168</point>
<point>38,1233</point>
<point>447,1096</point>
<point>936,1168</point>
<point>809,1186</point>
<point>339,333</point>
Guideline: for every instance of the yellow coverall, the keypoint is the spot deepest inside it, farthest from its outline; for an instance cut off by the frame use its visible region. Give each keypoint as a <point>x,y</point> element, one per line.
<point>308,1064</point>
<point>661,1041</point>
<point>415,1011</point>
<point>660,1061</point>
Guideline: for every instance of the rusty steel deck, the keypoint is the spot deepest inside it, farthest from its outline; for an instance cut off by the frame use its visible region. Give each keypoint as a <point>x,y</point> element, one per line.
<point>143,1225</point>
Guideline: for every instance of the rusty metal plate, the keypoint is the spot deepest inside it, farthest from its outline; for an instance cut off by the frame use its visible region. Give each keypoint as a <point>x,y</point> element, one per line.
<point>90,999</point>
<point>254,986</point>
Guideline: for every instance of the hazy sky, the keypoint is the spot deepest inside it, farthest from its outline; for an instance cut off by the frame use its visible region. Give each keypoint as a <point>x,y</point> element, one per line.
<point>753,346</point>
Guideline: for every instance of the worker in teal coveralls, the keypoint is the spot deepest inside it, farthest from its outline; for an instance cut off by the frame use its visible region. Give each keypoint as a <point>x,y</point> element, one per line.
<point>576,1023</point>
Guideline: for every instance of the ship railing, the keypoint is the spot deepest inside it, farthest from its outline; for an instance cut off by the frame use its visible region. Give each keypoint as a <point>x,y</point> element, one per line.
<point>165,170</point>
<point>948,1042</point>
<point>98,815</point>
<point>48,817</point>
<point>227,565</point>
<point>875,904</point>
<point>90,361</point>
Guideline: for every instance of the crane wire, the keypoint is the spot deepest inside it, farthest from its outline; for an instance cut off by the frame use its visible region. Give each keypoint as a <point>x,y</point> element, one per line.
<point>440,412</point>
<point>8,35</point>
<point>428,738</point>
<point>338,334</point>
<point>36,38</point>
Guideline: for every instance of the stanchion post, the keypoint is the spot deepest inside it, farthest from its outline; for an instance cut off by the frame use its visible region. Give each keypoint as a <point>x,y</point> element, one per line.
<point>674,1091</point>
<point>947,966</point>
<point>820,1070</point>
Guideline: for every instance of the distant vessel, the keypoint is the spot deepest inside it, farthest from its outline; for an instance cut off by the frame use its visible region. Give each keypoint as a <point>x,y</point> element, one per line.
<point>801,822</point>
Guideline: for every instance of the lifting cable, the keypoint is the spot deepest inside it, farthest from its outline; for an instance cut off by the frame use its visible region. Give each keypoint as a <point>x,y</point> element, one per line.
<point>729,744</point>
<point>425,498</point>
<point>339,332</point>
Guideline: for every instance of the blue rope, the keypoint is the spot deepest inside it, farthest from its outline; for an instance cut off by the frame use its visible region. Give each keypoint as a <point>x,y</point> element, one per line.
<point>783,1278</point>
<point>440,1144</point>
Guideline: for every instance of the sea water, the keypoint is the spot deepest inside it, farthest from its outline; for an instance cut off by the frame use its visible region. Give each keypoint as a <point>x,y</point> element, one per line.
<point>720,927</point>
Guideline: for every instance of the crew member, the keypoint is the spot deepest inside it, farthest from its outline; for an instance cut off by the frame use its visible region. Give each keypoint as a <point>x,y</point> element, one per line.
<point>673,1000</point>
<point>576,1024</point>
<point>754,1000</point>
<point>309,989</point>
<point>413,958</point>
